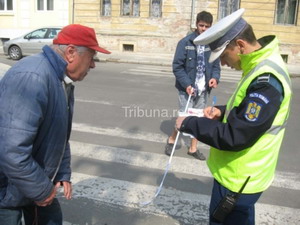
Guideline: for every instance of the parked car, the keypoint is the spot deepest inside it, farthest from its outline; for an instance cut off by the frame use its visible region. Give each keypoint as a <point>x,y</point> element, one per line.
<point>30,43</point>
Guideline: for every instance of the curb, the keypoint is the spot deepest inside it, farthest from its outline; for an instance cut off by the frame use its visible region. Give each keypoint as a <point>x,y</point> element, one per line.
<point>295,72</point>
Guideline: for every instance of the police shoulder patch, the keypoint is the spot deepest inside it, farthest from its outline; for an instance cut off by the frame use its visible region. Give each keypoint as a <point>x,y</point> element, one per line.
<point>253,111</point>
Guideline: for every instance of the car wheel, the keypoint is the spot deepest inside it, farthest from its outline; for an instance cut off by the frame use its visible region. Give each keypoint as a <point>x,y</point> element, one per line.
<point>15,53</point>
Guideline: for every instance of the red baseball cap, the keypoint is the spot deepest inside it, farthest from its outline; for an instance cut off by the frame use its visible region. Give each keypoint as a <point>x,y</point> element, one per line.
<point>79,35</point>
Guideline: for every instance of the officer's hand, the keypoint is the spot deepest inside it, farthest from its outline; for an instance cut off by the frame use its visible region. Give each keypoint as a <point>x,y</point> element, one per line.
<point>212,112</point>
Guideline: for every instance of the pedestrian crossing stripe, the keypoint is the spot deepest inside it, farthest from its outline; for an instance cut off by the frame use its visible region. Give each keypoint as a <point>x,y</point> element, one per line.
<point>158,161</point>
<point>191,207</point>
<point>227,75</point>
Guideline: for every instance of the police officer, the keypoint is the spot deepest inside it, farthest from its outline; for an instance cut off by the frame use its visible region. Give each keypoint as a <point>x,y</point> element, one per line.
<point>245,135</point>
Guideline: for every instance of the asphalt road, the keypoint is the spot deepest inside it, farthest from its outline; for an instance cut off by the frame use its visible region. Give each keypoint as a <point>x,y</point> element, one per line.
<point>123,115</point>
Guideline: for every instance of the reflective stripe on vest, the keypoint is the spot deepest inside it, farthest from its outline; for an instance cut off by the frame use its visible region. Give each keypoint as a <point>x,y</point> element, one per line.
<point>273,129</point>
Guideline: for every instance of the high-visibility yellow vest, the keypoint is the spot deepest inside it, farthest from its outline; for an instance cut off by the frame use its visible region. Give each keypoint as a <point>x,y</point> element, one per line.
<point>230,168</point>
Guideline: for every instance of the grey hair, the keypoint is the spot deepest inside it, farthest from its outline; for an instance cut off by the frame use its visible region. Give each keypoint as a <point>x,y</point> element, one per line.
<point>60,49</point>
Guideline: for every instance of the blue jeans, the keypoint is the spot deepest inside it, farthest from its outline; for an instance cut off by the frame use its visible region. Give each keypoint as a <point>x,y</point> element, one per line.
<point>242,214</point>
<point>11,216</point>
<point>33,215</point>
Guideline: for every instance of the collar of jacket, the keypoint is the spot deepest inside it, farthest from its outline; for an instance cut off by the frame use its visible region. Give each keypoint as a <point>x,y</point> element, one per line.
<point>57,62</point>
<point>269,46</point>
<point>193,36</point>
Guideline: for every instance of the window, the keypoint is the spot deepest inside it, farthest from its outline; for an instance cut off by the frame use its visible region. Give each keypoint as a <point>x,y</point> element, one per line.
<point>44,5</point>
<point>106,8</point>
<point>37,34</point>
<point>52,32</point>
<point>286,12</point>
<point>226,7</point>
<point>128,48</point>
<point>130,7</point>
<point>155,8</point>
<point>6,5</point>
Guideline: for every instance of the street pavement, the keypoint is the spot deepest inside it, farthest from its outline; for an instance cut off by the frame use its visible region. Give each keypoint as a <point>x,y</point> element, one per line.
<point>158,59</point>
<point>165,60</point>
<point>185,195</point>
<point>112,181</point>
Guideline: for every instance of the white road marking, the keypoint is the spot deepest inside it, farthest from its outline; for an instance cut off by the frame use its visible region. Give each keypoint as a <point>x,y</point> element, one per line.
<point>92,101</point>
<point>190,207</point>
<point>159,161</point>
<point>140,159</point>
<point>117,132</point>
<point>141,73</point>
<point>227,75</point>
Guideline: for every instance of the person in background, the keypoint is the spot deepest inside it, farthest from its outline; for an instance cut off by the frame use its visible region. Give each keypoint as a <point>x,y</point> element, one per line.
<point>36,108</point>
<point>245,135</point>
<point>194,76</point>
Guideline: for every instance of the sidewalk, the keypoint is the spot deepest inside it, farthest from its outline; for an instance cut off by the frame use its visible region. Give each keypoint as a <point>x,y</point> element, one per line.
<point>154,59</point>
<point>163,60</point>
<point>140,58</point>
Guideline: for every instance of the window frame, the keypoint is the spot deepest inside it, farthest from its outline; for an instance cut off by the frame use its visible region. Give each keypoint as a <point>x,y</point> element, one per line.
<point>37,32</point>
<point>103,9</point>
<point>222,11</point>
<point>46,3</point>
<point>286,14</point>
<point>5,6</point>
<point>131,8</point>
<point>151,9</point>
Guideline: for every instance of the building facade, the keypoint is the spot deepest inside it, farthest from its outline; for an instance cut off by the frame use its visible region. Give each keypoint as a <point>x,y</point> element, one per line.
<point>20,16</point>
<point>152,26</point>
<point>155,26</point>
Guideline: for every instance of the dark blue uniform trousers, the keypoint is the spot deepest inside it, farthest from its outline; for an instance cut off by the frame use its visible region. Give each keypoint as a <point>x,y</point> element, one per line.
<point>242,214</point>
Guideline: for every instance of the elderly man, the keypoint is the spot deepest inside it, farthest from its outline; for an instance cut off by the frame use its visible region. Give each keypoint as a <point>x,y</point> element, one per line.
<point>246,134</point>
<point>36,108</point>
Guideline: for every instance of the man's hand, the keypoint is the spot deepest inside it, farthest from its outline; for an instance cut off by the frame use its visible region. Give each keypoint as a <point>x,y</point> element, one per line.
<point>190,90</point>
<point>67,189</point>
<point>213,83</point>
<point>67,193</point>
<point>50,198</point>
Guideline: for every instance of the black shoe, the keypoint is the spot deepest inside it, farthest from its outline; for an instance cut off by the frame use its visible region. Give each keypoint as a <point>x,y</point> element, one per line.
<point>168,148</point>
<point>197,154</point>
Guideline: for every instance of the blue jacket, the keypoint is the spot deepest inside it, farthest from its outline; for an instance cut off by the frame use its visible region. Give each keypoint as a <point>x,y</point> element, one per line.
<point>35,125</point>
<point>185,64</point>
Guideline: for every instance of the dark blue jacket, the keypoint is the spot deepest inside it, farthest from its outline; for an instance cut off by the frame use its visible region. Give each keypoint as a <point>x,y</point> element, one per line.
<point>35,126</point>
<point>185,64</point>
